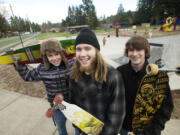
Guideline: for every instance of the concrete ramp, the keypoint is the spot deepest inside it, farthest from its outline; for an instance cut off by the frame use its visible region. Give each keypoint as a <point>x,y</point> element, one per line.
<point>171,49</point>
<point>156,52</point>
<point>25,115</point>
<point>171,55</point>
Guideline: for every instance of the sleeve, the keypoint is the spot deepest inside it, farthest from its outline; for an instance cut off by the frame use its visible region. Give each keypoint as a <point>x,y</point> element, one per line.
<point>29,75</point>
<point>116,110</point>
<point>71,92</point>
<point>71,63</point>
<point>162,116</point>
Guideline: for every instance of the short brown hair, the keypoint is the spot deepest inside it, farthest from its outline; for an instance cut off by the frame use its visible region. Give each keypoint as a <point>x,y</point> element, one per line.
<point>50,46</point>
<point>138,42</point>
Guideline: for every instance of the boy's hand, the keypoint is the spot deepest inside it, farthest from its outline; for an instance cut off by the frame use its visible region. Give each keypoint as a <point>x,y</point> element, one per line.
<point>16,59</point>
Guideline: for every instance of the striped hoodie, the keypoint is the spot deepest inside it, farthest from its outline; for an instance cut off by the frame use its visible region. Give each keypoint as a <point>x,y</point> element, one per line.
<point>55,79</point>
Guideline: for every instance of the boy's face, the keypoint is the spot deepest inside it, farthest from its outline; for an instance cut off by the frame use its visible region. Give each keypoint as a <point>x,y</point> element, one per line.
<point>85,55</point>
<point>54,58</point>
<point>137,57</point>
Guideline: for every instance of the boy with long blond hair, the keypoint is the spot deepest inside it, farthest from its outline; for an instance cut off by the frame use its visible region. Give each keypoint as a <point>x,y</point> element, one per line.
<point>95,86</point>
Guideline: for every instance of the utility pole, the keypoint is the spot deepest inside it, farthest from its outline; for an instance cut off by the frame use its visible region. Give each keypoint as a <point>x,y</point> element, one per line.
<point>19,33</point>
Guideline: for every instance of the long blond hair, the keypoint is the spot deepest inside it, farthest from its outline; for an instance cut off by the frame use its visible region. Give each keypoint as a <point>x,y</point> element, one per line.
<point>100,69</point>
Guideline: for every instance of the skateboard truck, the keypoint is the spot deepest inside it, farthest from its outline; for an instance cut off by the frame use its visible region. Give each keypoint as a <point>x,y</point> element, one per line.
<point>160,63</point>
<point>16,59</point>
<point>153,69</point>
<point>50,112</point>
<point>57,100</point>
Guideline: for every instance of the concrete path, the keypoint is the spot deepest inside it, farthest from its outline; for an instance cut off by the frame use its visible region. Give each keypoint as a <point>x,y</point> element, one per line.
<point>25,115</point>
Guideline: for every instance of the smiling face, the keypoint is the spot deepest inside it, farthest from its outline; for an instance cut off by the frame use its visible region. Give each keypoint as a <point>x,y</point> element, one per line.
<point>137,58</point>
<point>85,54</point>
<point>54,58</point>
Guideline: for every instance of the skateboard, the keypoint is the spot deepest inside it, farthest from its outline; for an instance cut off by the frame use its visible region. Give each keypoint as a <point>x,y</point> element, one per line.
<point>153,69</point>
<point>31,54</point>
<point>79,117</point>
<point>150,96</point>
<point>151,93</point>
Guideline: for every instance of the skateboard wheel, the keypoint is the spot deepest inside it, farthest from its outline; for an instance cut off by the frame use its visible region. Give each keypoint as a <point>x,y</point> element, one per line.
<point>50,113</point>
<point>58,99</point>
<point>152,69</point>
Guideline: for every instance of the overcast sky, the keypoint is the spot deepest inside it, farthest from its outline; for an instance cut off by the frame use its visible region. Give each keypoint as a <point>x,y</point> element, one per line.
<point>39,11</point>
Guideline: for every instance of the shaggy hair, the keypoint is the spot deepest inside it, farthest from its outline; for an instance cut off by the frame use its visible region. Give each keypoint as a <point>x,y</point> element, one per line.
<point>52,46</point>
<point>139,43</point>
<point>100,69</point>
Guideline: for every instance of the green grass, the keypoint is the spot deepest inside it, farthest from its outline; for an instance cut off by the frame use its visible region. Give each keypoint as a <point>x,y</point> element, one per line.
<point>48,35</point>
<point>12,40</point>
<point>103,30</point>
<point>148,28</point>
<point>43,36</point>
<point>99,31</point>
<point>7,42</point>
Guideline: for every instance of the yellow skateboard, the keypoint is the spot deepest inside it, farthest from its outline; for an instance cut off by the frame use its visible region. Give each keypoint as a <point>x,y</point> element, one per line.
<point>79,117</point>
<point>149,98</point>
<point>151,93</point>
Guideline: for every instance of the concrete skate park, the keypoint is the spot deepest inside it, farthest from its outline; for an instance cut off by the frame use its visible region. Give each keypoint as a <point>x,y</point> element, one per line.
<point>25,115</point>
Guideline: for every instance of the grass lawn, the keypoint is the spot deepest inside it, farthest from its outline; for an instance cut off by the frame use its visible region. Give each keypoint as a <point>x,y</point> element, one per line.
<point>43,36</point>
<point>7,42</point>
<point>12,40</point>
<point>148,28</point>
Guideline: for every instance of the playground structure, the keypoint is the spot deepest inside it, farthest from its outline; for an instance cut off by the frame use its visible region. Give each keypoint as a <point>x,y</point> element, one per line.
<point>167,23</point>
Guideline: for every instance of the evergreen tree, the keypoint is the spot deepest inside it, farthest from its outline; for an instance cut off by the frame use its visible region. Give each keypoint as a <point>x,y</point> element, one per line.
<point>4,26</point>
<point>83,14</point>
<point>90,13</point>
<point>120,9</point>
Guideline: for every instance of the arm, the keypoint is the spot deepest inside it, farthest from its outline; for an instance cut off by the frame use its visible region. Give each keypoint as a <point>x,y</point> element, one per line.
<point>72,94</point>
<point>162,116</point>
<point>28,75</point>
<point>116,110</point>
